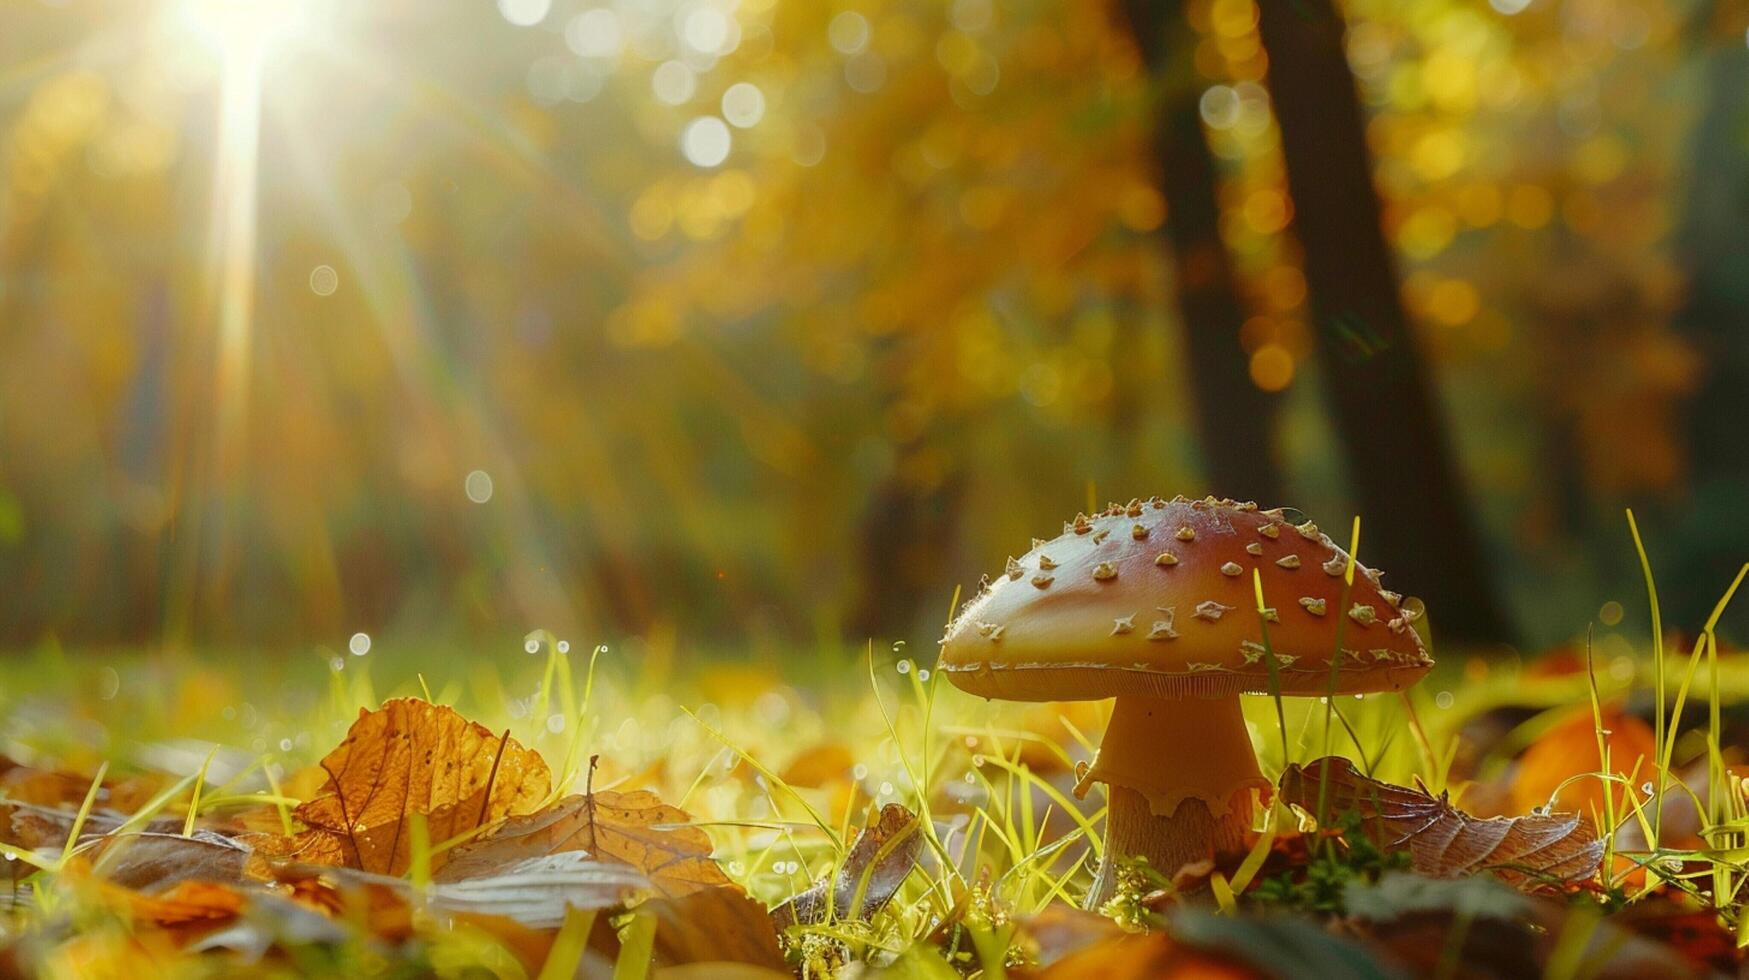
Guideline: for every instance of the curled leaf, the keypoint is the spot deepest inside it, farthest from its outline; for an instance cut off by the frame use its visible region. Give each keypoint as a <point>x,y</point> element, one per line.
<point>635,829</point>
<point>1528,852</point>
<point>877,863</point>
<point>414,757</point>
<point>536,891</point>
<point>151,861</point>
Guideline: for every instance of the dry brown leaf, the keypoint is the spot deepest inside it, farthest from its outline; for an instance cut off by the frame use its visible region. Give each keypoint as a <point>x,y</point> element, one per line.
<point>1556,764</point>
<point>152,861</point>
<point>188,902</point>
<point>819,764</point>
<point>880,858</point>
<point>52,787</point>
<point>1061,929</point>
<point>412,756</point>
<point>1528,852</point>
<point>1155,956</point>
<point>635,829</point>
<point>714,925</point>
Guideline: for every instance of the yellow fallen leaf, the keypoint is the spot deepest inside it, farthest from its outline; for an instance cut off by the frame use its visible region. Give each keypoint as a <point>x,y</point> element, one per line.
<point>411,756</point>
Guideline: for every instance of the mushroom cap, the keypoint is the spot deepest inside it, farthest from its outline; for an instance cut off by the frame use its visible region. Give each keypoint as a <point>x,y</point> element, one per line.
<point>1156,598</point>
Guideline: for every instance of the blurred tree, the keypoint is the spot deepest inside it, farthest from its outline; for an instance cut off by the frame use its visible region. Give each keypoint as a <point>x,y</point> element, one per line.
<point>1409,491</point>
<point>1712,541</point>
<point>1235,418</point>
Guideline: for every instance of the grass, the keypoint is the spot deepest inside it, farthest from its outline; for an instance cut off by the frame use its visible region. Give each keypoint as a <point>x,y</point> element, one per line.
<point>1005,835</point>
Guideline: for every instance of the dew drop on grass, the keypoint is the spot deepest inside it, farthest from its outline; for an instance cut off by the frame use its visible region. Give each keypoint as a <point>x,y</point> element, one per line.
<point>904,666</point>
<point>359,645</point>
<point>564,646</point>
<point>1444,699</point>
<point>285,745</point>
<point>532,646</point>
<point>108,684</point>
<point>736,869</point>
<point>971,777</point>
<point>977,762</point>
<point>337,664</point>
<point>923,675</point>
<point>555,723</point>
<point>1646,787</point>
<point>859,772</point>
<point>886,789</point>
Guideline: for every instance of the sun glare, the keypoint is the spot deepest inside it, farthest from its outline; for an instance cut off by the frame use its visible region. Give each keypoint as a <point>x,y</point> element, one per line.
<point>242,37</point>
<point>244,28</point>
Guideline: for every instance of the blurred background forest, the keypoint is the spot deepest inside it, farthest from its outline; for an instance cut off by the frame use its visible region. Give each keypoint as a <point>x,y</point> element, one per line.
<point>754,323</point>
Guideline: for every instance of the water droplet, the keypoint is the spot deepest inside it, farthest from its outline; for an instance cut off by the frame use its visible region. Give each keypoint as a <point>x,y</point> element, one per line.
<point>108,684</point>
<point>532,646</point>
<point>478,486</point>
<point>886,789</point>
<point>337,664</point>
<point>1646,787</point>
<point>971,777</point>
<point>1444,699</point>
<point>923,675</point>
<point>859,772</point>
<point>555,723</point>
<point>977,762</point>
<point>324,280</point>
<point>904,666</point>
<point>359,644</point>
<point>564,646</point>
<point>285,745</point>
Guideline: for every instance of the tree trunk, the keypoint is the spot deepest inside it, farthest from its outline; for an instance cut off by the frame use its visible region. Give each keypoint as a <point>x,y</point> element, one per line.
<point>1709,538</point>
<point>1235,419</point>
<point>1410,493</point>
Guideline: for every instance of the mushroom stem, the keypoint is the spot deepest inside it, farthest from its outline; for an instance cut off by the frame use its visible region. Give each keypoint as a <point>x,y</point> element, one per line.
<point>1180,775</point>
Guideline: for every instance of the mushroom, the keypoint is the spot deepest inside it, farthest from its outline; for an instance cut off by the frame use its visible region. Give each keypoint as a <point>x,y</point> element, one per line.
<point>1177,758</point>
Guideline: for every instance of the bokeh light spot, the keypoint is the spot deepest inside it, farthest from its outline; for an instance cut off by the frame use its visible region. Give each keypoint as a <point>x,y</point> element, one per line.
<point>1272,367</point>
<point>705,142</point>
<point>594,34</point>
<point>524,13</point>
<point>848,32</point>
<point>324,281</point>
<point>478,486</point>
<point>673,82</point>
<point>359,645</point>
<point>743,105</point>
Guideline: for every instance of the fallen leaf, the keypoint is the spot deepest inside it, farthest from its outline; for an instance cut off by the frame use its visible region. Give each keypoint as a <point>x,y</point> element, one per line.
<point>635,829</point>
<point>50,787</point>
<point>1062,929</point>
<point>188,902</point>
<point>535,891</point>
<point>1479,927</point>
<point>1443,842</point>
<point>1556,765</point>
<point>877,863</point>
<point>411,756</point>
<point>1149,957</point>
<point>818,765</point>
<point>148,861</point>
<point>714,925</point>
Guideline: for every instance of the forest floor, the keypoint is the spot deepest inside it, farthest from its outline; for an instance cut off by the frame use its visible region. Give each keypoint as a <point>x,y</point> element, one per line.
<point>555,811</point>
